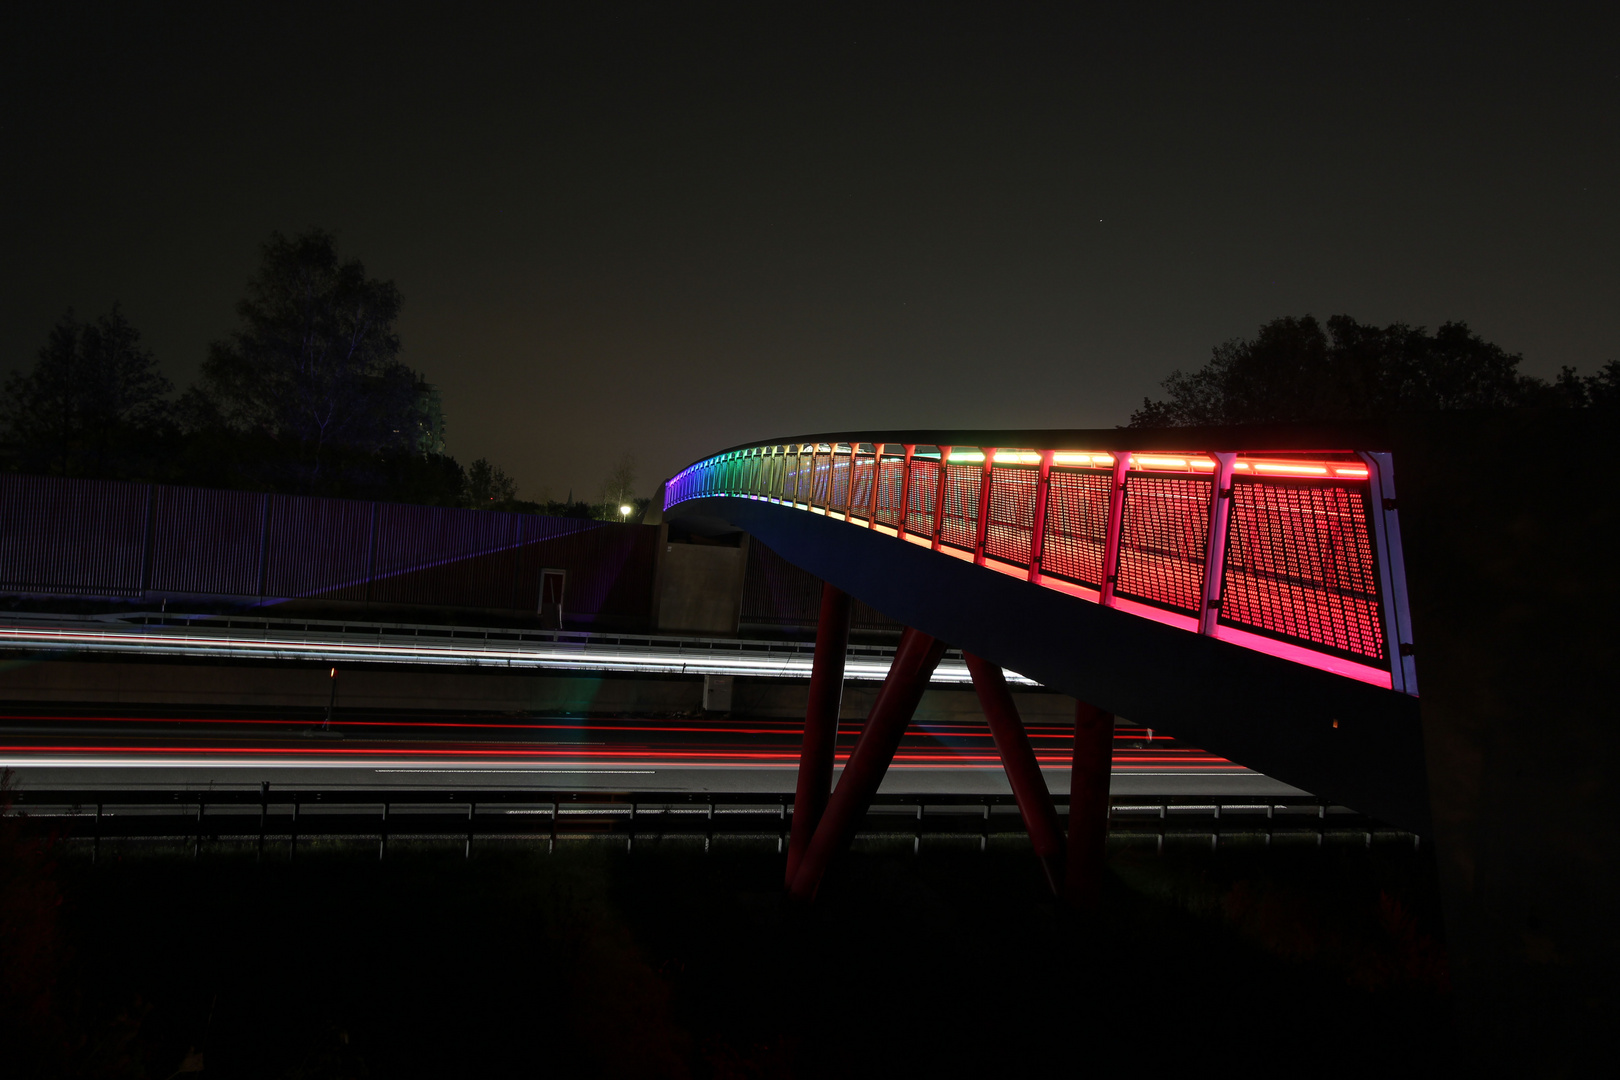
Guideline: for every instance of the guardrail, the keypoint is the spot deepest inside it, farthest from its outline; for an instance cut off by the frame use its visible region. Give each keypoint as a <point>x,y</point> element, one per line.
<point>286,817</point>
<point>1297,555</point>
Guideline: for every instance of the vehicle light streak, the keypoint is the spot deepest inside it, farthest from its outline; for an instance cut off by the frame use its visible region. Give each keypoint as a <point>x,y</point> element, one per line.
<point>164,641</point>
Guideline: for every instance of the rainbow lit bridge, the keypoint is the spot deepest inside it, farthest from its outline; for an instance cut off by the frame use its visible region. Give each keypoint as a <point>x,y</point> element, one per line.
<point>1242,590</point>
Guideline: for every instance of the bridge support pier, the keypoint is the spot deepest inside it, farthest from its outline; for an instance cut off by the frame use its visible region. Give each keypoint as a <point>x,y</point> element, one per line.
<point>914,663</point>
<point>1088,805</point>
<point>820,724</point>
<point>1023,771</point>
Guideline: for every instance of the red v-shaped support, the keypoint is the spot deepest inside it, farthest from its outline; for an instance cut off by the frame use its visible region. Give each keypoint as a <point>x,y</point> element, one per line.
<point>820,724</point>
<point>914,663</point>
<point>1023,772</point>
<point>1088,805</point>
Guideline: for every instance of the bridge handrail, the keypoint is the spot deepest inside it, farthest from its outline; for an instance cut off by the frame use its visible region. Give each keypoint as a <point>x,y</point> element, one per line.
<point>1294,554</point>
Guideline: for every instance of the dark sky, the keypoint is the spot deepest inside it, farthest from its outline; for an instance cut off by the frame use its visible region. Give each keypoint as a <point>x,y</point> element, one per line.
<point>668,228</point>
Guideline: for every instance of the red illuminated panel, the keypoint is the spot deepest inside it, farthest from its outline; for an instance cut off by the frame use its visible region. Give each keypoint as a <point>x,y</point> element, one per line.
<point>1012,514</point>
<point>1076,526</point>
<point>1300,565</point>
<point>920,501</point>
<point>1166,533</point>
<point>961,525</point>
<point>891,473</point>
<point>860,498</point>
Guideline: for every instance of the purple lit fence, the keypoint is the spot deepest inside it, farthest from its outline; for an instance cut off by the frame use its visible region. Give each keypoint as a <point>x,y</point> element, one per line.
<point>105,539</point>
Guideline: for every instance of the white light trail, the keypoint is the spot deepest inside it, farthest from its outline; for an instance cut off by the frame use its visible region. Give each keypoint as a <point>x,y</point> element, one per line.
<point>559,656</point>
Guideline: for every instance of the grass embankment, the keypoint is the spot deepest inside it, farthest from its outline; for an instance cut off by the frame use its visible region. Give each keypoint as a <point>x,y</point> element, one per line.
<point>667,961</point>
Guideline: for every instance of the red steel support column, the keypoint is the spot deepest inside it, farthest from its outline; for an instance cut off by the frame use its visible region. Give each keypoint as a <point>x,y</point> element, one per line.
<point>877,482</point>
<point>820,723</point>
<point>1088,805</point>
<point>939,495</point>
<point>905,491</point>
<point>1116,527</point>
<point>1023,771</point>
<point>1037,532</point>
<point>982,530</point>
<point>914,663</point>
<point>849,479</point>
<point>1220,507</point>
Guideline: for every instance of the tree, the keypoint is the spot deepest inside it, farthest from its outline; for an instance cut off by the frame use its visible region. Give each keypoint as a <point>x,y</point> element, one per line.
<point>314,366</point>
<point>488,487</point>
<point>1295,372</point>
<point>92,402</point>
<point>1599,391</point>
<point>619,489</point>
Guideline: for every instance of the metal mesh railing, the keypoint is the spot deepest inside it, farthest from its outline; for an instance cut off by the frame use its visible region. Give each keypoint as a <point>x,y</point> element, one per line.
<point>891,479</point>
<point>923,494</point>
<point>1298,563</point>
<point>1165,540</point>
<point>823,478</point>
<point>840,482</point>
<point>960,527</point>
<point>1076,538</point>
<point>860,495</point>
<point>1012,515</point>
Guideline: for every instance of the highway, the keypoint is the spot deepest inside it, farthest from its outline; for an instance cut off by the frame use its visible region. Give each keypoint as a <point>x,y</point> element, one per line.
<point>134,745</point>
<point>150,747</point>
<point>157,636</point>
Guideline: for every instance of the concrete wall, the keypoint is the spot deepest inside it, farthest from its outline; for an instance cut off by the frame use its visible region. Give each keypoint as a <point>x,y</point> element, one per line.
<point>1510,523</point>
<point>700,587</point>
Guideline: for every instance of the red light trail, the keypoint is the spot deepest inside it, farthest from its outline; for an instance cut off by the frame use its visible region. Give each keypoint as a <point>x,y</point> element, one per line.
<point>214,739</point>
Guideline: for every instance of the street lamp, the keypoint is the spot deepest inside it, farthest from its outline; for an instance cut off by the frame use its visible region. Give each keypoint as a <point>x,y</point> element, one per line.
<point>625,511</point>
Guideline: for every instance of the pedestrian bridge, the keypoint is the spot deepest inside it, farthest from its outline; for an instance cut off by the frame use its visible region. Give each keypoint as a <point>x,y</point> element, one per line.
<point>1241,589</point>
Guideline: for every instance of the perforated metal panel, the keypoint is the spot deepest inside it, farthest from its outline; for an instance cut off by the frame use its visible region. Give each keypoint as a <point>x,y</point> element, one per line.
<point>840,481</point>
<point>822,477</point>
<point>1166,534</point>
<point>923,494</point>
<point>1076,526</point>
<point>793,480</point>
<point>860,499</point>
<point>1012,514</point>
<point>318,547</point>
<point>426,554</point>
<point>73,534</point>
<point>961,525</point>
<point>1300,565</point>
<point>207,541</point>
<point>891,474</point>
<point>778,475</point>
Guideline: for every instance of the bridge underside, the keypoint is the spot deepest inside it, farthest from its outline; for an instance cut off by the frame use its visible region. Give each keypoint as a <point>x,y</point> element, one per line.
<point>1354,743</point>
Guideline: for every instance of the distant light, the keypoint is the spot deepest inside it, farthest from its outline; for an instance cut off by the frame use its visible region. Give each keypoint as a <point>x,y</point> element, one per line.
<point>625,510</point>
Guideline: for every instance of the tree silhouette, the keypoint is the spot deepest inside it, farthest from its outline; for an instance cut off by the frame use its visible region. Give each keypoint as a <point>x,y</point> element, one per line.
<point>1294,371</point>
<point>92,404</point>
<point>314,366</point>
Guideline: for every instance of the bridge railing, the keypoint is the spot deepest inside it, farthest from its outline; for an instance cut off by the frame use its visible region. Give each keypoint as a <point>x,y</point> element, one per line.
<point>1297,555</point>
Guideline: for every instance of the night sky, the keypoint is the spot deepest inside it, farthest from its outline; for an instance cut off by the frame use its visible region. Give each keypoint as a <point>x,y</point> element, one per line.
<point>667,228</point>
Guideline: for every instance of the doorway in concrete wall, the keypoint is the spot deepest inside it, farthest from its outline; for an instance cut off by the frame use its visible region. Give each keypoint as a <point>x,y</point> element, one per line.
<point>552,585</point>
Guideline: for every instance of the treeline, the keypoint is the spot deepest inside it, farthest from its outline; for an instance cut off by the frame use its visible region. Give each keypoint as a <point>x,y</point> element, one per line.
<point>307,396</point>
<point>1295,370</point>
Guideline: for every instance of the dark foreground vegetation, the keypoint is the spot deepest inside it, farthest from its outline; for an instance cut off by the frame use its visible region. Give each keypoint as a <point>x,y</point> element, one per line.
<point>671,962</point>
